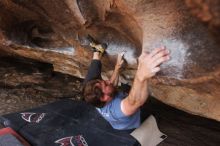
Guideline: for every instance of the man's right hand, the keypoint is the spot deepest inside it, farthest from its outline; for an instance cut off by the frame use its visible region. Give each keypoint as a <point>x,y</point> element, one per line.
<point>148,63</point>
<point>148,66</point>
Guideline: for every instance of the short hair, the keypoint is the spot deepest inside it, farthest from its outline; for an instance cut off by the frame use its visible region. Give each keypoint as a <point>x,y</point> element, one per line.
<point>92,94</point>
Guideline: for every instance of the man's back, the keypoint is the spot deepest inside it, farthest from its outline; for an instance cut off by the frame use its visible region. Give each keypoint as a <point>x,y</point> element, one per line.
<point>113,114</point>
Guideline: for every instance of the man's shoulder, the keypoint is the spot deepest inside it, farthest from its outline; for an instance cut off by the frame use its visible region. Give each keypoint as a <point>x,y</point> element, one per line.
<point>116,101</point>
<point>114,104</point>
<point>120,95</point>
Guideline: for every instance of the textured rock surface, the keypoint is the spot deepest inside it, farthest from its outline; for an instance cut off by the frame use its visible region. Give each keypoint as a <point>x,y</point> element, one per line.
<point>26,83</point>
<point>207,11</point>
<point>55,31</point>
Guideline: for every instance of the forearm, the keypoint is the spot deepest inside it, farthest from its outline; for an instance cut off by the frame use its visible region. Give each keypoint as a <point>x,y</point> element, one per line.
<point>139,92</point>
<point>137,96</point>
<point>115,77</point>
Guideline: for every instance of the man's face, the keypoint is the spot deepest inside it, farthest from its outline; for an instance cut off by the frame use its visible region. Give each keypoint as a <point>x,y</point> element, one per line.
<point>107,88</point>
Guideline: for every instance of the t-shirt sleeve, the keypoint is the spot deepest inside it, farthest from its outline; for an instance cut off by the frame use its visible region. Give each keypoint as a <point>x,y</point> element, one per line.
<point>113,113</point>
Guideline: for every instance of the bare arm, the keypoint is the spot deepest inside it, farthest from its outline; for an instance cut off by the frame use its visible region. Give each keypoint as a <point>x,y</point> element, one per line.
<point>115,76</point>
<point>148,66</point>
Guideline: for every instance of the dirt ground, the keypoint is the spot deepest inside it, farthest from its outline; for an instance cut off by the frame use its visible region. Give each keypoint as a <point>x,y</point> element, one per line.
<point>25,83</point>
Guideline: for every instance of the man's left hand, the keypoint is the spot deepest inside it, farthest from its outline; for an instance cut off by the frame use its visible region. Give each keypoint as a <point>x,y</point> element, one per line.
<point>120,60</point>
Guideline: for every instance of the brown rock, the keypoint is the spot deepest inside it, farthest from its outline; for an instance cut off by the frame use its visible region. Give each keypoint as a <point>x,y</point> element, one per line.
<point>55,32</point>
<point>207,11</point>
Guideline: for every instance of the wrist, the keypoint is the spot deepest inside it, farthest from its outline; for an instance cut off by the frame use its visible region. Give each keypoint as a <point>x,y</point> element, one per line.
<point>141,77</point>
<point>117,68</point>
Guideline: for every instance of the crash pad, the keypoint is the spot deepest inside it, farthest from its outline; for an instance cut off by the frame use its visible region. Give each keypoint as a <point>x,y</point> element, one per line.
<point>66,123</point>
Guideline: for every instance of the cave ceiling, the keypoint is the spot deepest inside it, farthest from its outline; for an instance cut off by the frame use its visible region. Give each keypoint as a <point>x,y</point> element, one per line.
<point>56,31</point>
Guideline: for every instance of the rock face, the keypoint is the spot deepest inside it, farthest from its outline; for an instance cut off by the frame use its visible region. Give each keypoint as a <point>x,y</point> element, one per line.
<point>55,31</point>
<point>27,83</point>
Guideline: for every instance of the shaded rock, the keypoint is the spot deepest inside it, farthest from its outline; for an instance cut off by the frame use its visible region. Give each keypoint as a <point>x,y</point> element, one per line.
<point>207,11</point>
<point>26,83</point>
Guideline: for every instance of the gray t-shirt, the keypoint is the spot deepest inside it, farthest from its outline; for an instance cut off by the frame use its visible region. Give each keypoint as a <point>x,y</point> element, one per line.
<point>113,114</point>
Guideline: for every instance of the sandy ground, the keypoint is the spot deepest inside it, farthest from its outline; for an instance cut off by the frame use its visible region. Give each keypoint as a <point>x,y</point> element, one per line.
<point>25,83</point>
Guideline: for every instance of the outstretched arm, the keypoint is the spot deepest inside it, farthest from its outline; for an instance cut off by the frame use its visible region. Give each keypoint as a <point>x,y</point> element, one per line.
<point>115,75</point>
<point>148,66</point>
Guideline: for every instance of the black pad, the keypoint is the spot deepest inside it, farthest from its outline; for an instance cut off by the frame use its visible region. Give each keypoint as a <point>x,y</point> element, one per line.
<point>66,122</point>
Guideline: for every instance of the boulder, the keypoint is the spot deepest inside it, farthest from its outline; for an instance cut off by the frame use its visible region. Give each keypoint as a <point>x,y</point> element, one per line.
<point>56,32</point>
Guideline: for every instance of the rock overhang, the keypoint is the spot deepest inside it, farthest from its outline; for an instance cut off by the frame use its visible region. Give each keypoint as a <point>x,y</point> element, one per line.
<point>55,32</point>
